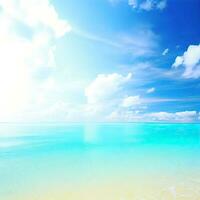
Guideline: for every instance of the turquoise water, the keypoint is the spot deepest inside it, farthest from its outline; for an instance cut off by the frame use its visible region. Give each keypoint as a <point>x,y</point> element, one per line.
<point>99,161</point>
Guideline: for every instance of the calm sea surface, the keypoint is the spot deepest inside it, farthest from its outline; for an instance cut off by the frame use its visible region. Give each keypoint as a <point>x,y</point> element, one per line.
<point>116,161</point>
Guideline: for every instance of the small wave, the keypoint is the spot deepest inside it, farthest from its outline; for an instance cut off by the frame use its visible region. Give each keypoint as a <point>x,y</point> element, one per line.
<point>4,145</point>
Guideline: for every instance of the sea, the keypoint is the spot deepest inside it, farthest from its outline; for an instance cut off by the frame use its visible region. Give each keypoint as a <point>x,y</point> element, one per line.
<point>99,161</point>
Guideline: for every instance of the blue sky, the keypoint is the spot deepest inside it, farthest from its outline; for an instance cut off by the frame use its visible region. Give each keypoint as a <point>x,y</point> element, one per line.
<point>102,60</point>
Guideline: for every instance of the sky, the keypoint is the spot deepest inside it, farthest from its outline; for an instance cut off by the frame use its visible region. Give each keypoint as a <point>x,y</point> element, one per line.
<point>99,61</point>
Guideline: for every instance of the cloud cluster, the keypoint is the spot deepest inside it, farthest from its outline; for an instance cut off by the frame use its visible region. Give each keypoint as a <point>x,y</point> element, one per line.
<point>28,31</point>
<point>107,100</point>
<point>104,93</point>
<point>183,116</point>
<point>105,87</point>
<point>148,5</point>
<point>190,60</point>
<point>37,14</point>
<point>131,101</point>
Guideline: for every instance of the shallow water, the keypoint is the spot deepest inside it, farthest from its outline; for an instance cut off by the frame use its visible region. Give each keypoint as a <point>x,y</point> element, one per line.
<point>116,161</point>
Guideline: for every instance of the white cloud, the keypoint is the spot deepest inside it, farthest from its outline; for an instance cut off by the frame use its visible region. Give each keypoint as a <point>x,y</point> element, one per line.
<point>132,3</point>
<point>105,86</point>
<point>37,14</point>
<point>131,101</point>
<point>178,61</point>
<point>107,100</point>
<point>151,90</point>
<point>58,111</point>
<point>148,5</point>
<point>134,116</point>
<point>185,116</point>
<point>104,94</point>
<point>22,55</point>
<point>123,116</point>
<point>165,52</point>
<point>190,60</point>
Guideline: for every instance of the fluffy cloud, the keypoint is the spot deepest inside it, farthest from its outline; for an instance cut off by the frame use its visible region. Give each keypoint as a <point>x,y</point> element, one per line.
<point>134,116</point>
<point>131,101</point>
<point>104,94</point>
<point>148,5</point>
<point>124,116</point>
<point>190,60</point>
<point>185,116</point>
<point>37,14</point>
<point>178,61</point>
<point>151,90</point>
<point>105,86</point>
<point>107,100</point>
<point>132,3</point>
<point>28,32</point>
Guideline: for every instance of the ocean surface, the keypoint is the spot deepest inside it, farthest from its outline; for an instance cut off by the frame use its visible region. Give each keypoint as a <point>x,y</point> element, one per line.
<point>102,161</point>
